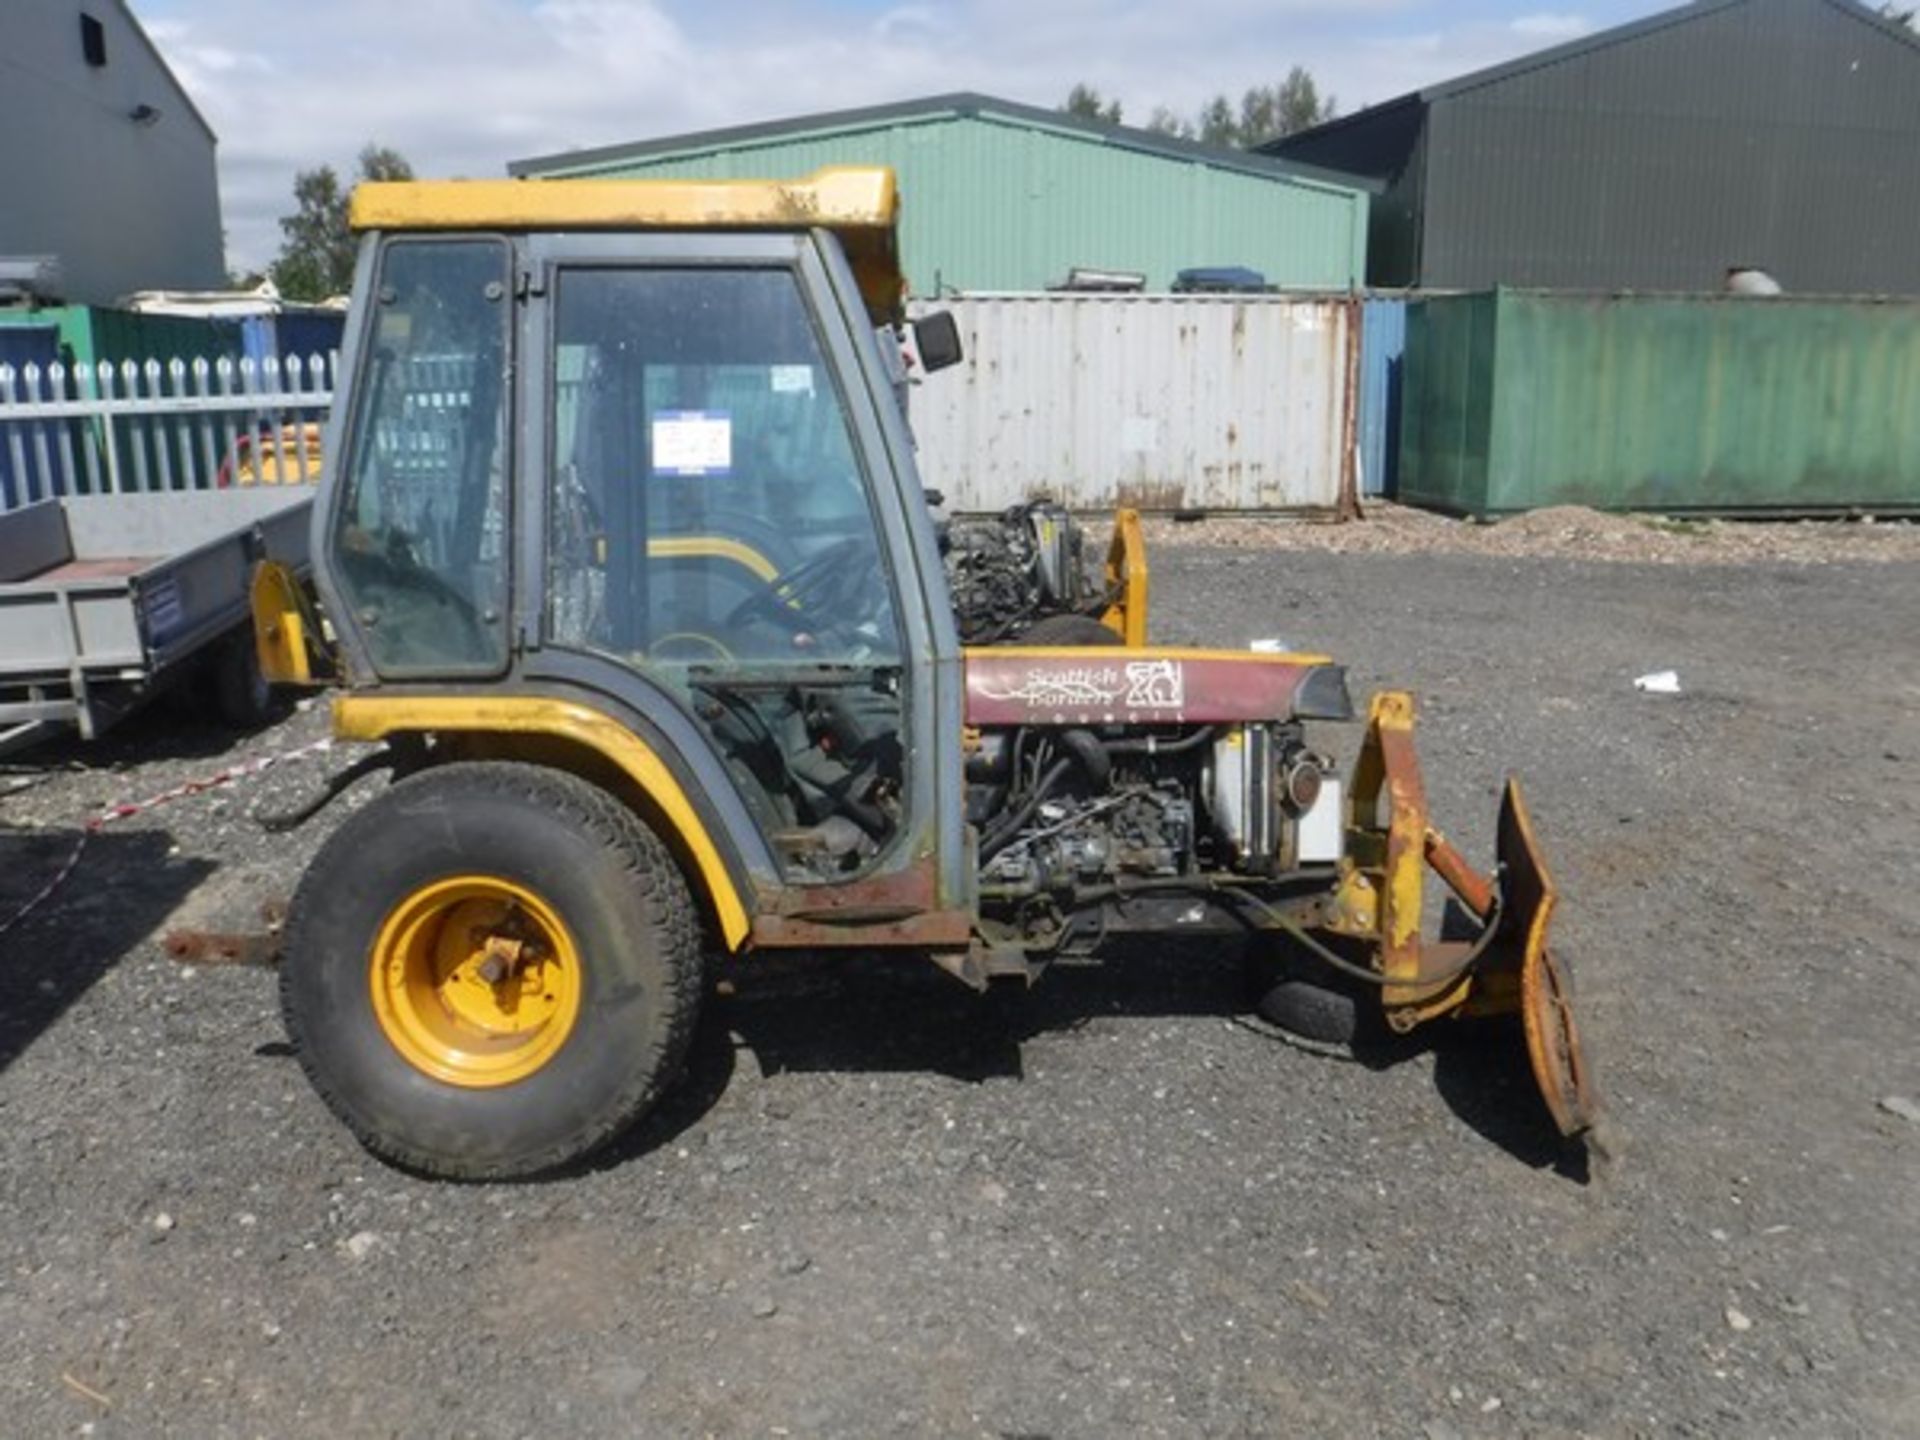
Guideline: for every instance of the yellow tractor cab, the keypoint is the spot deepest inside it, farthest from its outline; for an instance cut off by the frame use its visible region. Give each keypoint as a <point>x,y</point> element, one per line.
<point>631,572</point>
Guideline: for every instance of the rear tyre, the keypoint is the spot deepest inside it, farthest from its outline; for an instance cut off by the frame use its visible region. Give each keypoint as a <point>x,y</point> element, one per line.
<point>1068,630</point>
<point>491,971</point>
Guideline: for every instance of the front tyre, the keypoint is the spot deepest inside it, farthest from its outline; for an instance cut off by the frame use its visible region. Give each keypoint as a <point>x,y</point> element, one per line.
<point>491,970</point>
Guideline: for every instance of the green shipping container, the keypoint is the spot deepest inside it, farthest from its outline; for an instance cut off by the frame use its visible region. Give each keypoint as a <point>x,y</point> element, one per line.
<point>1520,399</point>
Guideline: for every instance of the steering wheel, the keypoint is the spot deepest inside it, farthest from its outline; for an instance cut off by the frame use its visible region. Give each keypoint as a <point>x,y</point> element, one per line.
<point>824,592</point>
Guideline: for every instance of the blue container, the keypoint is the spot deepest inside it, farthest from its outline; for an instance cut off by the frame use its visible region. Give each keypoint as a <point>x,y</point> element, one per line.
<point>307,333</point>
<point>293,333</point>
<point>1221,280</point>
<point>1383,348</point>
<point>259,340</point>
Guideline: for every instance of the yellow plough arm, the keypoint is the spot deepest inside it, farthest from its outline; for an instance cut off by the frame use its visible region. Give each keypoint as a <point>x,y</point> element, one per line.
<point>1508,968</point>
<point>1126,573</point>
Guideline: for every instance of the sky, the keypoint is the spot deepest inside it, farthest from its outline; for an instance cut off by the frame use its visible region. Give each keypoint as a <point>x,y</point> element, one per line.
<point>461,87</point>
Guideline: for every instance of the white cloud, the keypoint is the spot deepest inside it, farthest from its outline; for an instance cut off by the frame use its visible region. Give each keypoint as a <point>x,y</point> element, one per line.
<point>461,87</point>
<point>1550,27</point>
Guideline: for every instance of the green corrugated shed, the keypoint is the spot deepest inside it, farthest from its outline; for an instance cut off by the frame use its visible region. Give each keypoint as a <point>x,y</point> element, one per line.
<point>999,196</point>
<point>1519,399</point>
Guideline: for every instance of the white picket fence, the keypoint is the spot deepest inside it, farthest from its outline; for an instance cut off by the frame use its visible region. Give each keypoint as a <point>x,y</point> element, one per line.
<point>146,426</point>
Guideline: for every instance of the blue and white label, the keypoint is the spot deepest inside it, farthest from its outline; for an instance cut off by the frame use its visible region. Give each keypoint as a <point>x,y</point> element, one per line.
<point>162,609</point>
<point>692,442</point>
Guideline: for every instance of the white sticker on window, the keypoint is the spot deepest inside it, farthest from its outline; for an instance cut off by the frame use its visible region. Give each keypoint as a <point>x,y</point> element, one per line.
<point>792,379</point>
<point>692,442</point>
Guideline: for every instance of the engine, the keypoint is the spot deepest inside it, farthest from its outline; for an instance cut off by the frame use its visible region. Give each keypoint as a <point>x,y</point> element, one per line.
<point>1070,816</point>
<point>1141,829</point>
<point>1006,572</point>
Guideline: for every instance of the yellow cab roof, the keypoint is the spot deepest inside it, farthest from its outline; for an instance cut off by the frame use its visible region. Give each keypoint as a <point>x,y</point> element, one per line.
<point>861,204</point>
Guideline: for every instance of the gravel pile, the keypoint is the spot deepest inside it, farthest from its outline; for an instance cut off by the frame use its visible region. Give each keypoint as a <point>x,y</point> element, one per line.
<point>1112,1206</point>
<point>1572,532</point>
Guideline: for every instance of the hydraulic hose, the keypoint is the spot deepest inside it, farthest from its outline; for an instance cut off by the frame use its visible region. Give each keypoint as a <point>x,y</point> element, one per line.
<point>1148,745</point>
<point>1002,835</point>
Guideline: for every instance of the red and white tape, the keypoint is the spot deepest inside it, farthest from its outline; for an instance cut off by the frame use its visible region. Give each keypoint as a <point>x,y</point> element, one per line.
<point>233,774</point>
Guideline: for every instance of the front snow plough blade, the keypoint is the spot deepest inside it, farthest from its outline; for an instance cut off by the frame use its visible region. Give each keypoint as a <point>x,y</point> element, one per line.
<point>1504,970</point>
<point>1546,990</point>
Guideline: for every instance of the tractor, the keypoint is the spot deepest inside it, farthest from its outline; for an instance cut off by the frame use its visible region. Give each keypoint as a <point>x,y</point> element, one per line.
<point>622,559</point>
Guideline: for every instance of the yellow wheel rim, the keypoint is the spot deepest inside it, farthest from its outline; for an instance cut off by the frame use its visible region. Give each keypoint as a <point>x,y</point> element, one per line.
<point>475,981</point>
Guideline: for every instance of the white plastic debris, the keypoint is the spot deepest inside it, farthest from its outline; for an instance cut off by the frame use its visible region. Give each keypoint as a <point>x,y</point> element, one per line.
<point>1274,646</point>
<point>1660,682</point>
<point>1901,1106</point>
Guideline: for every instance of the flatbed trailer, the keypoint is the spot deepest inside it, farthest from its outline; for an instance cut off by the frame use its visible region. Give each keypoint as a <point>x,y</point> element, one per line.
<point>106,600</point>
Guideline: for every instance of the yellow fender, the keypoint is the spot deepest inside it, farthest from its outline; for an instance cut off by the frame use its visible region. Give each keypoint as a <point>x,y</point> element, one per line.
<point>376,717</point>
<point>286,631</point>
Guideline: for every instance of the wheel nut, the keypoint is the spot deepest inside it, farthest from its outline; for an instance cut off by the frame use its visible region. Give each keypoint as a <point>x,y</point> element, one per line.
<point>504,955</point>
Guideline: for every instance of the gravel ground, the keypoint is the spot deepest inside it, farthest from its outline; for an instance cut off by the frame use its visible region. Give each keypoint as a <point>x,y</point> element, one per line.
<point>880,1207</point>
<point>1571,532</point>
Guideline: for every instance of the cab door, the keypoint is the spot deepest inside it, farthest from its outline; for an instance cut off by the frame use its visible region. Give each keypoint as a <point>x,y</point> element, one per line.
<point>724,530</point>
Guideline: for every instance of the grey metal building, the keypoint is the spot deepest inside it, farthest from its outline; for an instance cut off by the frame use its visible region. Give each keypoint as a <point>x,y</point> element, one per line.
<point>1781,134</point>
<point>104,160</point>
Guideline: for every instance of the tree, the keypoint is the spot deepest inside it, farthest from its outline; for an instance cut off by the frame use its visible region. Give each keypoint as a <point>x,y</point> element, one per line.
<point>1166,122</point>
<point>1088,104</point>
<point>1217,124</point>
<point>316,251</point>
<point>1265,112</point>
<point>1899,16</point>
<point>1296,106</point>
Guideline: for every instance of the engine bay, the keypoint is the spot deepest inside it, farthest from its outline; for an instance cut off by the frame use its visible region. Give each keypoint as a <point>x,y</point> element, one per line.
<point>1067,818</point>
<point>1009,572</point>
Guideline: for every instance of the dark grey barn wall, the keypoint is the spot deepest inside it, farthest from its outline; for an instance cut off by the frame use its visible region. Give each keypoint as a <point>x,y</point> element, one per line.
<point>1780,133</point>
<point>1384,145</point>
<point>1394,234</point>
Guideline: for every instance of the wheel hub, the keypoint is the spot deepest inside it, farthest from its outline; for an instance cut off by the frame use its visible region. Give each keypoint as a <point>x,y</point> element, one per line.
<point>475,981</point>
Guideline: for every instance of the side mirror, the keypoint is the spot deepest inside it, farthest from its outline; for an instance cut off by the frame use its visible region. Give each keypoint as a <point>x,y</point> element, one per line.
<point>937,338</point>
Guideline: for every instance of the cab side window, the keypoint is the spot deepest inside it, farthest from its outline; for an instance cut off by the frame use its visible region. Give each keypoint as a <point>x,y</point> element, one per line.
<point>419,539</point>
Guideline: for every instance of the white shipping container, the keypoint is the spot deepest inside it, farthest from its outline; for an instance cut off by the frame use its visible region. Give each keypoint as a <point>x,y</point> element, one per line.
<point>1164,402</point>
